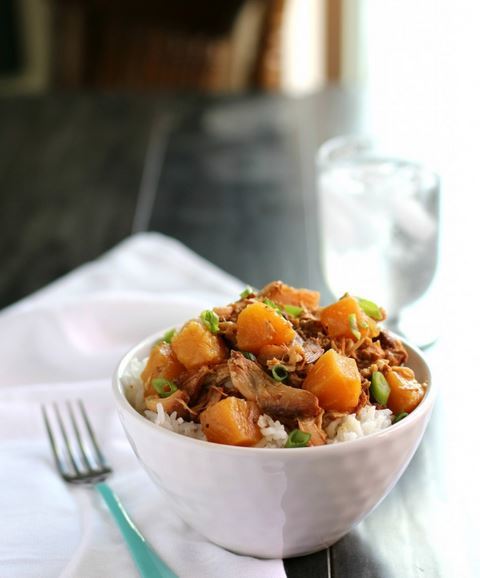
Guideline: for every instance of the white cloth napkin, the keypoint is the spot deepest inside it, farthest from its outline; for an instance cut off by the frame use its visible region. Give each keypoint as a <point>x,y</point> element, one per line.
<point>63,343</point>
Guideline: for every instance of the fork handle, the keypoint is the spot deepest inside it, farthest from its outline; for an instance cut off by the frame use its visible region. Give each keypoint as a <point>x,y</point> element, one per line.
<point>147,561</point>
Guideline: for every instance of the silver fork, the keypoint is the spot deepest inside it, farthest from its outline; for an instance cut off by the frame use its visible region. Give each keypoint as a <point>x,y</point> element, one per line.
<point>81,462</point>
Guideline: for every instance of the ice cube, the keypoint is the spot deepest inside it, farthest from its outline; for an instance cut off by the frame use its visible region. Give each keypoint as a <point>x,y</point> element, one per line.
<point>413,219</point>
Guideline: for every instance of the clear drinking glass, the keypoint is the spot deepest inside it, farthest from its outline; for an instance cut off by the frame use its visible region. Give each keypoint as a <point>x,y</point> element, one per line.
<point>378,224</point>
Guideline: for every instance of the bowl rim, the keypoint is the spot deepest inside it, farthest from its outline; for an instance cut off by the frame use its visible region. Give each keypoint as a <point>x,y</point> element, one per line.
<point>122,402</point>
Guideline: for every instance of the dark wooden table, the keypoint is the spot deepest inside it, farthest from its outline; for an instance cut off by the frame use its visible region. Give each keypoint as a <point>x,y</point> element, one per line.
<point>234,179</point>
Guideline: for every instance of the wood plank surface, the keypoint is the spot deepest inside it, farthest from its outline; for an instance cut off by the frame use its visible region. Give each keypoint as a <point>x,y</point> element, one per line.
<point>70,169</point>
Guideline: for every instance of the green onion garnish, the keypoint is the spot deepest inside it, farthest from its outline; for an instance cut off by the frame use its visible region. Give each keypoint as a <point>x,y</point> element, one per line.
<point>247,291</point>
<point>249,355</point>
<point>370,308</point>
<point>379,388</point>
<point>167,337</point>
<point>210,319</point>
<point>279,373</point>
<point>352,320</point>
<point>293,310</point>
<point>163,387</point>
<point>297,439</point>
<point>399,417</point>
<point>273,305</point>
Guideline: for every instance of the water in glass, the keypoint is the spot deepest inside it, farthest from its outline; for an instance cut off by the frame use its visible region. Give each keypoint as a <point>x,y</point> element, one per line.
<point>379,228</point>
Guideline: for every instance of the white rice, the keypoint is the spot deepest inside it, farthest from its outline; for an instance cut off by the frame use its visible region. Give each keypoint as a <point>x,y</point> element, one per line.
<point>350,427</point>
<point>174,423</point>
<point>273,432</point>
<point>133,384</point>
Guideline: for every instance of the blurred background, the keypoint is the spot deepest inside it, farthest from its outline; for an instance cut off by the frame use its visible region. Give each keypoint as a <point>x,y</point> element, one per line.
<point>120,104</point>
<point>279,45</point>
<point>209,46</point>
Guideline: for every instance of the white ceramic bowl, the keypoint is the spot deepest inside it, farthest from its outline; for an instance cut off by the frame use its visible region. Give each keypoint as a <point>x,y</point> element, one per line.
<point>274,503</point>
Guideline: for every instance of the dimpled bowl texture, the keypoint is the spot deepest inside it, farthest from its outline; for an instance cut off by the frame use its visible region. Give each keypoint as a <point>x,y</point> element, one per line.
<point>273,503</point>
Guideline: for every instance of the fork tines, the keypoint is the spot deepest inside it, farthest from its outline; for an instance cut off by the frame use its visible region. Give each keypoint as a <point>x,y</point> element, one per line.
<point>75,448</point>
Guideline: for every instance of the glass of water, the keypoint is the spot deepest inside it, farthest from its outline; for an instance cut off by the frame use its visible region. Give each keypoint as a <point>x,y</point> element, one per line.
<point>378,224</point>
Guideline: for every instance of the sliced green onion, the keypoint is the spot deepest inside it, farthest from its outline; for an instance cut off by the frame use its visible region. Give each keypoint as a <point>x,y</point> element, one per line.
<point>249,355</point>
<point>167,337</point>
<point>164,387</point>
<point>352,321</point>
<point>379,388</point>
<point>370,308</point>
<point>279,373</point>
<point>293,310</point>
<point>211,319</point>
<point>399,417</point>
<point>297,439</point>
<point>247,291</point>
<point>273,305</point>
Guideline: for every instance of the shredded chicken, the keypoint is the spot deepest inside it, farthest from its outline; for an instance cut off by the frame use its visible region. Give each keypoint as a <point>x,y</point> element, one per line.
<point>271,396</point>
<point>218,374</point>
<point>279,353</point>
<point>232,311</point>
<point>229,331</point>
<point>289,356</point>
<point>393,348</point>
<point>312,350</point>
<point>369,352</point>
<point>332,416</point>
<point>309,325</point>
<point>314,426</point>
<point>286,295</point>
<point>191,382</point>
<point>364,398</point>
<point>178,402</point>
<point>210,396</point>
<point>224,313</point>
